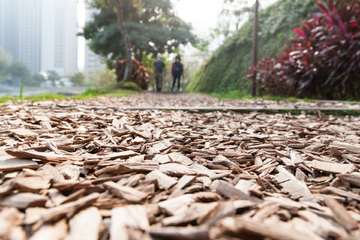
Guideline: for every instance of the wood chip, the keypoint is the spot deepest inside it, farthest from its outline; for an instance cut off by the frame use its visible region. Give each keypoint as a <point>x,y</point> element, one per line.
<point>291,185</point>
<point>48,157</point>
<point>229,191</point>
<point>17,164</point>
<point>174,169</point>
<point>122,168</point>
<point>85,225</point>
<point>333,167</point>
<point>341,215</point>
<point>23,200</point>
<point>124,154</point>
<point>134,217</point>
<point>129,194</point>
<point>23,132</point>
<point>164,181</point>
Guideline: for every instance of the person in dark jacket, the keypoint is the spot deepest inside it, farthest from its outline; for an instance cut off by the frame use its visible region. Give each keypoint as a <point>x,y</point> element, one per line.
<point>160,69</point>
<point>177,72</point>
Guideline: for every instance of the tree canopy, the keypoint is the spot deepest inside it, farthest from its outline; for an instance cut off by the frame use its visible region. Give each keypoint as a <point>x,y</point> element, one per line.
<point>79,79</point>
<point>53,76</point>
<point>19,71</point>
<point>152,25</point>
<point>102,78</point>
<point>37,79</point>
<point>5,63</point>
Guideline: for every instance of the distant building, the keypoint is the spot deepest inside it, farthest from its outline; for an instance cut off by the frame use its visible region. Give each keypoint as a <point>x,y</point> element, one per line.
<point>20,31</point>
<point>41,33</point>
<point>92,60</point>
<point>58,39</point>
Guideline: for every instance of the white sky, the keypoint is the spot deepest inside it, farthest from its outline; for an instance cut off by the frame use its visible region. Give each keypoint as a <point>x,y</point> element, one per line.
<point>202,14</point>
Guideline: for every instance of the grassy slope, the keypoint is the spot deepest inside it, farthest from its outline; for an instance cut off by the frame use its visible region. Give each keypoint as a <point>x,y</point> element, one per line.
<point>225,70</point>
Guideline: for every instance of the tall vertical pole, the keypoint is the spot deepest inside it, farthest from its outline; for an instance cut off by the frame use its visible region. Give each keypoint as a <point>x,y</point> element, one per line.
<point>255,43</point>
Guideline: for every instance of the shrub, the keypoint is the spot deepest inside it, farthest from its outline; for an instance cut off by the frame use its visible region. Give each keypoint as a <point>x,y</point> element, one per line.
<point>102,78</point>
<point>79,79</point>
<point>323,61</point>
<point>129,86</point>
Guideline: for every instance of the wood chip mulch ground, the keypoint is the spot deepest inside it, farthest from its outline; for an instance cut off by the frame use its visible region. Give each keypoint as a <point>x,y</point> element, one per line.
<point>75,173</point>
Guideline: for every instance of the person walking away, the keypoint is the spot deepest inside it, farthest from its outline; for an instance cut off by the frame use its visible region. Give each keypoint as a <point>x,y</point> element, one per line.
<point>177,72</point>
<point>160,68</point>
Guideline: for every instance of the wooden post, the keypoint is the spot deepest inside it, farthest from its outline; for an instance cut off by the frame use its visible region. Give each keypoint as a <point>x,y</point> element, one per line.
<point>120,20</point>
<point>255,43</point>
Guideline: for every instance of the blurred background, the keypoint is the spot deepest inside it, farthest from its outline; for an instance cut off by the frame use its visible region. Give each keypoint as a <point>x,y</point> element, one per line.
<point>40,46</point>
<point>305,48</point>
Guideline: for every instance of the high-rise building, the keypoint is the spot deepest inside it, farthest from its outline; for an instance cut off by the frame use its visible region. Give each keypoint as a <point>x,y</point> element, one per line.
<point>41,33</point>
<point>2,22</point>
<point>92,60</point>
<point>20,32</point>
<point>58,37</point>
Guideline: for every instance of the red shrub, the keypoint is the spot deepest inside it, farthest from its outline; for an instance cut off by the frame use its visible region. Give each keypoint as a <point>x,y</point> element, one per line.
<point>323,61</point>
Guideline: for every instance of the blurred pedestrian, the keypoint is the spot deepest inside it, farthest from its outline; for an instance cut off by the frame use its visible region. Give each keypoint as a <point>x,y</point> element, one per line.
<point>177,72</point>
<point>160,68</point>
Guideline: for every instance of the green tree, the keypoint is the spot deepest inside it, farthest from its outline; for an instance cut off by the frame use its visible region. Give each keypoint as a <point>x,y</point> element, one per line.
<point>37,79</point>
<point>102,78</point>
<point>19,72</point>
<point>53,76</point>
<point>5,63</point>
<point>93,76</point>
<point>235,11</point>
<point>79,79</point>
<point>152,26</point>
<point>229,20</point>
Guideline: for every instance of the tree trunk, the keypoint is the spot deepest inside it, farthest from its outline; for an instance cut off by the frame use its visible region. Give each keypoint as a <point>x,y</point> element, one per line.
<point>141,56</point>
<point>120,20</point>
<point>255,43</point>
<point>138,52</point>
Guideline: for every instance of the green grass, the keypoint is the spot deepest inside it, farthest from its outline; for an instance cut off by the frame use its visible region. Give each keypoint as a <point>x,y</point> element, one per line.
<point>242,95</point>
<point>327,112</point>
<point>89,93</point>
<point>129,86</point>
<point>21,91</point>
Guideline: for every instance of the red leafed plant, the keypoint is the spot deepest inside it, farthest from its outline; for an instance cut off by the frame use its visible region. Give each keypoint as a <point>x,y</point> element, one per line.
<point>323,61</point>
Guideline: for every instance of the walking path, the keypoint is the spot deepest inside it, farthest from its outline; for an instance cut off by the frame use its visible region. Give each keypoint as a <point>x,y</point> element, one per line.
<point>194,101</point>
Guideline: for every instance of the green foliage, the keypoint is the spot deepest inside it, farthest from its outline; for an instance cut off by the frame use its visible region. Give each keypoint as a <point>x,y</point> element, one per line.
<point>79,79</point>
<point>53,76</point>
<point>225,70</point>
<point>233,12</point>
<point>236,94</point>
<point>148,61</point>
<point>322,60</point>
<point>19,72</point>
<point>129,86</point>
<point>21,91</point>
<point>102,78</point>
<point>37,79</point>
<point>110,91</point>
<point>89,93</point>
<point>152,26</point>
<point>5,62</point>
